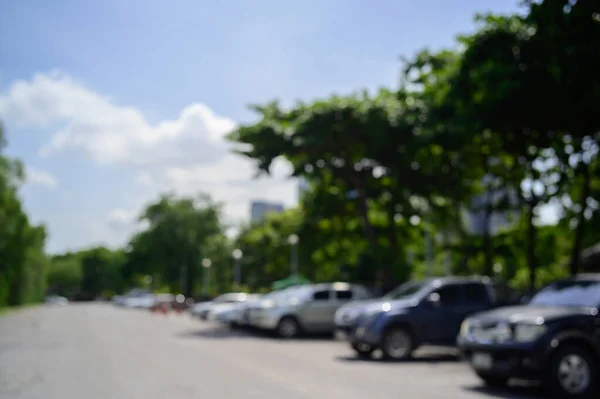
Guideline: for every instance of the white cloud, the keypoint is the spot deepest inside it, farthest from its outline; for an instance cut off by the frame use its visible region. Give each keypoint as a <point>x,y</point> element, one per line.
<point>185,155</point>
<point>120,216</point>
<point>92,125</point>
<point>40,177</point>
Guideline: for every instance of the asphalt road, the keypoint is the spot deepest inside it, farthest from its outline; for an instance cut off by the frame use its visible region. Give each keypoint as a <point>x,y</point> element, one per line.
<point>97,351</point>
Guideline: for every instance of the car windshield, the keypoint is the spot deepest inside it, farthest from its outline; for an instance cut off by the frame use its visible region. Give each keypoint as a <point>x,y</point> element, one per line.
<point>406,290</point>
<point>579,293</point>
<point>226,298</point>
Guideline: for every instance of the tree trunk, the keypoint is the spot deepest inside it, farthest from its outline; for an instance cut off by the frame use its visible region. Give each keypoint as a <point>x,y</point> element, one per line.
<point>531,247</point>
<point>487,239</point>
<point>580,229</point>
<point>463,267</point>
<point>388,274</point>
<point>392,233</point>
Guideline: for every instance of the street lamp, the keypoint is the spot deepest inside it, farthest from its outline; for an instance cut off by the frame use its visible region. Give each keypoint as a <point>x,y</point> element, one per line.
<point>206,264</point>
<point>237,256</point>
<point>293,241</point>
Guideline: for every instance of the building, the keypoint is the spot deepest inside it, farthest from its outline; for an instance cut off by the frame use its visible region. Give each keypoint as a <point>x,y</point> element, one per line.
<point>259,209</point>
<point>303,187</point>
<point>498,219</point>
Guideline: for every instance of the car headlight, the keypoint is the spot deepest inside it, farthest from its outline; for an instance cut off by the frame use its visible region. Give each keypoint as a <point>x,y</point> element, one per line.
<point>465,328</point>
<point>528,332</point>
<point>267,304</point>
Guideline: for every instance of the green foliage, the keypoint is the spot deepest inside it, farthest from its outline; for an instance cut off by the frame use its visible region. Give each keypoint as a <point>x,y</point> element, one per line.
<point>22,261</point>
<point>507,117</point>
<point>64,276</point>
<point>502,126</point>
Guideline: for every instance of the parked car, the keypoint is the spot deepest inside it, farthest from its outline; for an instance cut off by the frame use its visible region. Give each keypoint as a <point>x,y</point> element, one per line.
<point>122,300</point>
<point>307,308</point>
<point>144,300</point>
<point>232,314</point>
<point>202,309</point>
<point>555,338</point>
<point>418,312</point>
<point>56,300</point>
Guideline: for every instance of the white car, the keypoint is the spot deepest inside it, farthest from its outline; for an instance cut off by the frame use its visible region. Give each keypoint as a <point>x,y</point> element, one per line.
<point>56,300</point>
<point>202,310</point>
<point>143,301</point>
<point>126,299</point>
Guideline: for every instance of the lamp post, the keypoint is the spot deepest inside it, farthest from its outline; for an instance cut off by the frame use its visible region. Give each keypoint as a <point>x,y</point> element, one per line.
<point>182,278</point>
<point>293,241</point>
<point>237,273</point>
<point>206,264</point>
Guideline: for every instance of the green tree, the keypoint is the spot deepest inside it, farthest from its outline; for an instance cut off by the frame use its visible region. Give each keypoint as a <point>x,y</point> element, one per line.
<point>22,261</point>
<point>180,233</point>
<point>64,275</point>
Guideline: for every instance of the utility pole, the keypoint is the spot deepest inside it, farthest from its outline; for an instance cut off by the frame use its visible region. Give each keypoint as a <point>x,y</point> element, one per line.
<point>293,241</point>
<point>237,273</point>
<point>206,264</point>
<point>182,278</point>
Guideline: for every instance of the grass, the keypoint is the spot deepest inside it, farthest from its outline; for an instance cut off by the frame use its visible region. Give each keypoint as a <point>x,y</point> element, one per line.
<point>13,309</point>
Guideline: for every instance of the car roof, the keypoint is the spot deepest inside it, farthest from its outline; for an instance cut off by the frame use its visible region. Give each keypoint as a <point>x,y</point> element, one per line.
<point>461,279</point>
<point>585,276</point>
<point>338,285</point>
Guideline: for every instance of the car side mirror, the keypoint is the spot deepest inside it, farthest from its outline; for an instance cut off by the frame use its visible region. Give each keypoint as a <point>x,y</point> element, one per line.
<point>434,299</point>
<point>525,299</point>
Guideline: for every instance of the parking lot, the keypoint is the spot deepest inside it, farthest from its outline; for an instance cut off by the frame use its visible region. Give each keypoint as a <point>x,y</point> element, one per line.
<point>101,351</point>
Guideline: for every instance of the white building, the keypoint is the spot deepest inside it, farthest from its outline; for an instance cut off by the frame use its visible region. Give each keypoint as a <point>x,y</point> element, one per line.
<point>303,187</point>
<point>259,209</point>
<point>498,219</point>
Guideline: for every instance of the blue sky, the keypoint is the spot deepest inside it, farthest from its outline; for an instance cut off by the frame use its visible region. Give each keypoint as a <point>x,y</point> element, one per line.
<point>110,102</point>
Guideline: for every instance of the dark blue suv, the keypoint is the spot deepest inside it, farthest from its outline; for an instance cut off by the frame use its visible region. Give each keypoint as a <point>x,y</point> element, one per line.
<point>554,338</point>
<point>419,312</point>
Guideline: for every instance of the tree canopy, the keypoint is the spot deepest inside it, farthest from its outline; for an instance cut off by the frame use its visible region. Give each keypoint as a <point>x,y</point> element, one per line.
<point>447,173</point>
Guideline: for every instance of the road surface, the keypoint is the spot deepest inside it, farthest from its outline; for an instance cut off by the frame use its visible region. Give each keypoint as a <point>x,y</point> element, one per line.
<point>97,351</point>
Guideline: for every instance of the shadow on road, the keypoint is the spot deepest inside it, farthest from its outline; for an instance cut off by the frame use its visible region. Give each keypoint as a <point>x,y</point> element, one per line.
<point>415,359</point>
<point>222,333</point>
<point>425,355</point>
<point>218,332</point>
<point>520,391</point>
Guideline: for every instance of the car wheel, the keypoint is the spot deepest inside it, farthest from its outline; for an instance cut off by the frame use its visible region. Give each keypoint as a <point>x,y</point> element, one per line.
<point>493,381</point>
<point>397,344</point>
<point>363,350</point>
<point>288,327</point>
<point>573,373</point>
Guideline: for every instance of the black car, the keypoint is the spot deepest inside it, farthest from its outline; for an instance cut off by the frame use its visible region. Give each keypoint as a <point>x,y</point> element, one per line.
<point>555,338</point>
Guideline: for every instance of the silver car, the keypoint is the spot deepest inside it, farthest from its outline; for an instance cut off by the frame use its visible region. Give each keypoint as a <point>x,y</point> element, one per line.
<point>308,308</point>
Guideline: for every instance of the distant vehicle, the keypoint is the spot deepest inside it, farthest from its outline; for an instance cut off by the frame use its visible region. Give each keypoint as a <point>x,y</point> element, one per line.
<point>307,308</point>
<point>555,338</point>
<point>56,300</point>
<point>232,313</point>
<point>123,300</point>
<point>142,301</point>
<point>415,313</point>
<point>201,310</point>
